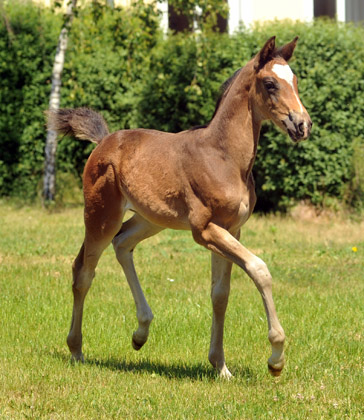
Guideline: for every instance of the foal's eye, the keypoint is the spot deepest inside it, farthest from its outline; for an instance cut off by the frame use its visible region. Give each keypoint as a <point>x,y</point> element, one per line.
<point>270,86</point>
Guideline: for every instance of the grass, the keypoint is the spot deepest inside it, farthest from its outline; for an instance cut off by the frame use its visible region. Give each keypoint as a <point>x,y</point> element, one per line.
<point>319,294</point>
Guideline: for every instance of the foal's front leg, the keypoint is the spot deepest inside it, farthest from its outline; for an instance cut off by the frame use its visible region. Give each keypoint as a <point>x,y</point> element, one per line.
<point>220,241</point>
<point>220,288</point>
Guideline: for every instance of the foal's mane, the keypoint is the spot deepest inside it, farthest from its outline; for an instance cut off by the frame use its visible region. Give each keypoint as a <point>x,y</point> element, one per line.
<point>225,86</point>
<point>224,89</point>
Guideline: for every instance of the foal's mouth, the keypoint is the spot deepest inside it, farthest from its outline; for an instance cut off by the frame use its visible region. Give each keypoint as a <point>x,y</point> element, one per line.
<point>296,139</point>
<point>297,128</point>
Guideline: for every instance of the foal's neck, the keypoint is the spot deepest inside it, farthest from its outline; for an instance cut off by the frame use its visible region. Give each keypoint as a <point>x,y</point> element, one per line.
<point>236,127</point>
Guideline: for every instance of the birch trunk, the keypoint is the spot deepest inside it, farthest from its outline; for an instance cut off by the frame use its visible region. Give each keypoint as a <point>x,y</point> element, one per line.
<point>6,21</point>
<point>49,183</point>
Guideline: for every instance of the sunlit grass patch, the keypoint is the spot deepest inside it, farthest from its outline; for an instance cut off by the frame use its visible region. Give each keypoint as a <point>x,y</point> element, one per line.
<point>318,290</point>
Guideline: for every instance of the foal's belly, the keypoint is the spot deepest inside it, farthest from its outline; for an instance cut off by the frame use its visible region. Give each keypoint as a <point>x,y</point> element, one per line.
<point>169,208</point>
<point>161,214</point>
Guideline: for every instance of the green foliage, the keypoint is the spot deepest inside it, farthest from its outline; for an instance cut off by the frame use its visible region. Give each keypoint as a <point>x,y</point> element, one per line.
<point>354,190</point>
<point>26,59</point>
<point>107,50</point>
<point>182,83</point>
<point>181,86</point>
<point>105,60</point>
<point>119,63</point>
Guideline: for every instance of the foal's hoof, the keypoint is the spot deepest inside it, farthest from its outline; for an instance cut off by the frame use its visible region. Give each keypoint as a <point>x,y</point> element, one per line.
<point>274,371</point>
<point>77,358</point>
<point>137,345</point>
<point>225,374</point>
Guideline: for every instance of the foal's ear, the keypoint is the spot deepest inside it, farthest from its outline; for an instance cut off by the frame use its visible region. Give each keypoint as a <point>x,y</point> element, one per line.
<point>265,54</point>
<point>287,50</point>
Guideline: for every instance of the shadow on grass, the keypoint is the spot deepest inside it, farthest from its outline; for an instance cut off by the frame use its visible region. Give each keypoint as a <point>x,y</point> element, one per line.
<point>195,372</point>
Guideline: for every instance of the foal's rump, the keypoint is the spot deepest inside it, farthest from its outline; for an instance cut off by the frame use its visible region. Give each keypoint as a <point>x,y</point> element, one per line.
<point>137,169</point>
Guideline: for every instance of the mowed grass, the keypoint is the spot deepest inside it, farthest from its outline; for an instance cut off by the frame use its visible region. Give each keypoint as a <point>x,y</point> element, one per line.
<point>318,270</point>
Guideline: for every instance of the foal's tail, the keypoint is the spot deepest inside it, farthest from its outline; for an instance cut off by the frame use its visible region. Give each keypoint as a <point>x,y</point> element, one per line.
<point>83,123</point>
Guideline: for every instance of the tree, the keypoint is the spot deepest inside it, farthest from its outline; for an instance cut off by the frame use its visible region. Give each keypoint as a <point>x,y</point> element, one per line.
<point>49,184</point>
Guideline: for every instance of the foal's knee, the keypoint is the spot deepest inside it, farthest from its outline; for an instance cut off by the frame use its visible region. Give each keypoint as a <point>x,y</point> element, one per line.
<point>122,251</point>
<point>82,278</point>
<point>276,336</point>
<point>258,271</point>
<point>121,244</point>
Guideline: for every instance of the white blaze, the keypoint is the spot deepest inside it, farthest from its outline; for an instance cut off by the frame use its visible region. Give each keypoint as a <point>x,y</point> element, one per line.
<point>283,71</point>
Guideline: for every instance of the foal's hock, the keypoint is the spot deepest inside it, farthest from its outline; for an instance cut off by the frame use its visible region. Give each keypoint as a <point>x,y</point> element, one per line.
<point>199,180</point>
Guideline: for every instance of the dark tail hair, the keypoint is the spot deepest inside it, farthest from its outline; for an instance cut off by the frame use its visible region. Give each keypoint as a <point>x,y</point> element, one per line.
<point>83,123</point>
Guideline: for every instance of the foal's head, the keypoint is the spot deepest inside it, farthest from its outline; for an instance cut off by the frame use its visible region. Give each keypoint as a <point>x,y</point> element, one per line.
<point>276,92</point>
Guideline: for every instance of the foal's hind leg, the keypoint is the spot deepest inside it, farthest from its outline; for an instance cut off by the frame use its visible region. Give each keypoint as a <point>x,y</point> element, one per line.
<point>103,219</point>
<point>132,232</point>
<point>83,273</point>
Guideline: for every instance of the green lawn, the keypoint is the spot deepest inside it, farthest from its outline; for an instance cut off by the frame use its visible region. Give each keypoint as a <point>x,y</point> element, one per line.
<point>319,293</point>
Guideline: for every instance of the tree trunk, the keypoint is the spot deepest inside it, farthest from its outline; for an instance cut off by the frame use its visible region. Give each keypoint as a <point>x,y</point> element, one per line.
<point>49,184</point>
<point>6,21</point>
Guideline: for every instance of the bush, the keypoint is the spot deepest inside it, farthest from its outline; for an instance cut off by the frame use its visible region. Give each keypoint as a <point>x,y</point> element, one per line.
<point>105,60</point>
<point>119,63</point>
<point>354,190</point>
<point>107,52</point>
<point>182,84</point>
<point>26,58</point>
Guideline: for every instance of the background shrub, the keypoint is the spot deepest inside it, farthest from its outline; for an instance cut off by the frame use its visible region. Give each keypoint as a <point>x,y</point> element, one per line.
<point>26,58</point>
<point>119,63</point>
<point>108,51</point>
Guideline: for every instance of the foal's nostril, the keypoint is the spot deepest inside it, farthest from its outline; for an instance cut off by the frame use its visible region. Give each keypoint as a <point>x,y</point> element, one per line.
<point>301,128</point>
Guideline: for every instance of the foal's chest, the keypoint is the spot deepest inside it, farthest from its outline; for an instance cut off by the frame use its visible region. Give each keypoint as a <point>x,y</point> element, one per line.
<point>245,205</point>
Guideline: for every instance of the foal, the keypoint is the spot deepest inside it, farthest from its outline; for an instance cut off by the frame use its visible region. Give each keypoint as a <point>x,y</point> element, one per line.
<point>199,180</point>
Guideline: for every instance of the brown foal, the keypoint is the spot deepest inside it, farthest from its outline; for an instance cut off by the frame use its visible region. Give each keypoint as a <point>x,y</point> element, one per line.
<point>199,180</point>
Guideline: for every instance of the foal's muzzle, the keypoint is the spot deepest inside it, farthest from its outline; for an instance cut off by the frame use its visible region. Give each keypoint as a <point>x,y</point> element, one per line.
<point>298,125</point>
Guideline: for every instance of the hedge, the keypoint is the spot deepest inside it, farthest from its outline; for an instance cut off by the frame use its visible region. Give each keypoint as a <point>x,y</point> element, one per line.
<point>119,63</point>
<point>26,59</point>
